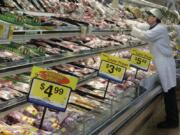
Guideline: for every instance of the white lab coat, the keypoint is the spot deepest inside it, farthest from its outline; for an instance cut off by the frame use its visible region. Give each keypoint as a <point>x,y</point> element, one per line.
<point>159,42</point>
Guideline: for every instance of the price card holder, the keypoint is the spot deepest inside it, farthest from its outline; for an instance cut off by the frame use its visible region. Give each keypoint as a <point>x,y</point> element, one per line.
<point>112,71</point>
<point>112,68</point>
<point>178,47</point>
<point>49,94</point>
<point>140,59</point>
<point>140,63</point>
<point>11,31</point>
<point>2,29</point>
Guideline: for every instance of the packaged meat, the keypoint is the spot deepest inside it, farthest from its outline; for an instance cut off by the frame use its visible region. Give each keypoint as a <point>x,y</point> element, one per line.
<point>18,117</point>
<point>19,86</point>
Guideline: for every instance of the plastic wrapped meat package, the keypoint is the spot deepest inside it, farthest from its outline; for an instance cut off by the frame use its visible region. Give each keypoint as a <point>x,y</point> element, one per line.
<point>12,91</point>
<point>88,103</point>
<point>6,95</point>
<point>10,55</point>
<point>92,62</point>
<point>20,129</point>
<point>5,83</point>
<point>18,78</point>
<point>94,92</point>
<point>18,117</point>
<point>22,87</point>
<point>50,123</point>
<point>73,119</point>
<point>32,111</point>
<point>78,71</point>
<point>98,83</point>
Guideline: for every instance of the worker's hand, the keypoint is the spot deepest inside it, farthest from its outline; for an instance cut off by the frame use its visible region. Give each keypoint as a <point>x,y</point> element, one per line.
<point>134,31</point>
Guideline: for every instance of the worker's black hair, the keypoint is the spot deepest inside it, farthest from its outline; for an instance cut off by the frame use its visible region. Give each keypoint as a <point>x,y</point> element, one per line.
<point>158,20</point>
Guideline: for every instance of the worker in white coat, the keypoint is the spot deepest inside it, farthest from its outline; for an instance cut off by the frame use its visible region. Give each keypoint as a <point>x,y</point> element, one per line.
<point>157,37</point>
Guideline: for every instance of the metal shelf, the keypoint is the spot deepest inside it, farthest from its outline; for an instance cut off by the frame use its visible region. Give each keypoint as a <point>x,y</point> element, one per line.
<point>20,102</point>
<point>26,65</point>
<point>22,36</point>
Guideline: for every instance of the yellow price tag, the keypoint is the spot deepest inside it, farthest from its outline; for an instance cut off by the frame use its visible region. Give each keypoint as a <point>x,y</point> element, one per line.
<point>63,79</point>
<point>2,29</point>
<point>141,53</point>
<point>178,47</point>
<point>10,34</point>
<point>140,62</point>
<point>112,67</point>
<point>49,94</point>
<point>140,59</point>
<point>115,60</point>
<point>112,71</point>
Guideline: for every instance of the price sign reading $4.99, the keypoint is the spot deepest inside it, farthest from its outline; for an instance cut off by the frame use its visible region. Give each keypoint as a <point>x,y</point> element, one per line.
<point>112,67</point>
<point>49,94</point>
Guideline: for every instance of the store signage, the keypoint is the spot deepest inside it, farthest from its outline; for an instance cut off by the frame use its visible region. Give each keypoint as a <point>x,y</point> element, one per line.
<point>140,59</point>
<point>49,94</point>
<point>59,78</point>
<point>112,67</point>
<point>6,31</point>
<point>11,31</point>
<point>178,47</point>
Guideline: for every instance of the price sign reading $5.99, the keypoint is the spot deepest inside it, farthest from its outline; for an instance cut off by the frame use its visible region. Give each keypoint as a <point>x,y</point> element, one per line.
<point>49,94</point>
<point>140,62</point>
<point>140,59</point>
<point>112,67</point>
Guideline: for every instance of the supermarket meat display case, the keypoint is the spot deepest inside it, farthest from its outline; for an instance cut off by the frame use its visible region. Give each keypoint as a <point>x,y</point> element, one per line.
<point>88,112</point>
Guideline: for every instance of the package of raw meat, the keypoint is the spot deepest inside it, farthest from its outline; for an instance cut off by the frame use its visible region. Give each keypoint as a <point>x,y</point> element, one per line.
<point>19,86</point>
<point>18,117</point>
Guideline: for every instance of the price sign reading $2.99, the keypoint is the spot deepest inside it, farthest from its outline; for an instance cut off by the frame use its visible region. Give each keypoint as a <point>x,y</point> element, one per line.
<point>49,94</point>
<point>112,67</point>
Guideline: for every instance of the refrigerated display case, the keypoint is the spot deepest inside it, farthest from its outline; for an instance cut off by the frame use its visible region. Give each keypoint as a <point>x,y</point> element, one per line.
<point>88,111</point>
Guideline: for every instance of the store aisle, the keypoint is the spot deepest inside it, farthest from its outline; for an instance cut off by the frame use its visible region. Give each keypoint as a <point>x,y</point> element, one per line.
<point>149,127</point>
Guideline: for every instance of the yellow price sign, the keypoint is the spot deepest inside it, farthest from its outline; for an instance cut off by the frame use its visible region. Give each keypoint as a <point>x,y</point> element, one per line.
<point>2,29</point>
<point>11,31</point>
<point>49,94</point>
<point>141,53</point>
<point>62,79</point>
<point>111,71</point>
<point>140,59</point>
<point>113,67</point>
<point>140,62</point>
<point>178,47</point>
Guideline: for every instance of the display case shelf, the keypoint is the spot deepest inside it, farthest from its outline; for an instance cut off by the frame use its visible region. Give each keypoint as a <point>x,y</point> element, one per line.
<point>19,101</point>
<point>120,118</point>
<point>26,65</point>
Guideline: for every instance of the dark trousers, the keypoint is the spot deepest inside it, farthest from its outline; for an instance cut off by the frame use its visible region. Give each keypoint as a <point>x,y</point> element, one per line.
<point>171,106</point>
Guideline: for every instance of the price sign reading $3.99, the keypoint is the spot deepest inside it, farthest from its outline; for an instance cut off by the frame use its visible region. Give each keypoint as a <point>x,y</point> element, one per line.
<point>49,94</point>
<point>112,67</point>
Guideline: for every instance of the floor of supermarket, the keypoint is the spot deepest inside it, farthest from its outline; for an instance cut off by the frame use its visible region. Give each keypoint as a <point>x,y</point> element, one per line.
<point>149,128</point>
<point>149,124</point>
